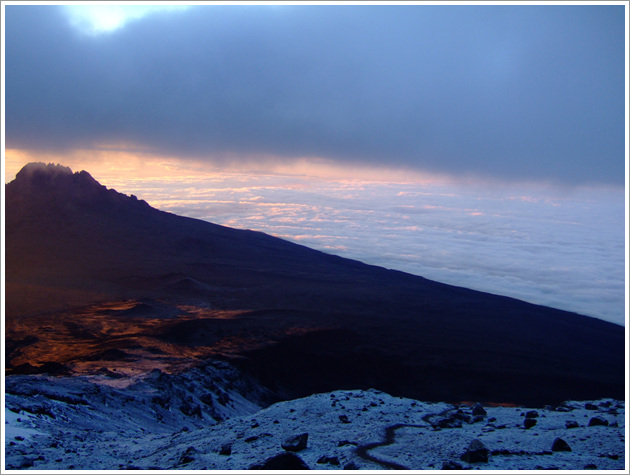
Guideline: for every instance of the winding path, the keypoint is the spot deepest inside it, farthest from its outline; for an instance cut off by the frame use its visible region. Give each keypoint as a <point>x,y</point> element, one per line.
<point>390,438</point>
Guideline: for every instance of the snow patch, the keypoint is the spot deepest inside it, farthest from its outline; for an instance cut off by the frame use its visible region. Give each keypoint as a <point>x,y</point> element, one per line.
<point>212,418</point>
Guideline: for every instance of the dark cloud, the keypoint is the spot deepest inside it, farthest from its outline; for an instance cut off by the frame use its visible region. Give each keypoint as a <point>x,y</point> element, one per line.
<point>533,92</point>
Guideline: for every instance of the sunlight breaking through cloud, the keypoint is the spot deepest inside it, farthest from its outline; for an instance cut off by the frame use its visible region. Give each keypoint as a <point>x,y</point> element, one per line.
<point>103,18</point>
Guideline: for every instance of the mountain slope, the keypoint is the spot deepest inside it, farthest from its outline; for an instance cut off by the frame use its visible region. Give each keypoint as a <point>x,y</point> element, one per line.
<point>303,321</point>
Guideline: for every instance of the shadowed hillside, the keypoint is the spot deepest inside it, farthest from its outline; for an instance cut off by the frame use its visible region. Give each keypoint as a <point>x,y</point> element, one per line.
<point>301,320</point>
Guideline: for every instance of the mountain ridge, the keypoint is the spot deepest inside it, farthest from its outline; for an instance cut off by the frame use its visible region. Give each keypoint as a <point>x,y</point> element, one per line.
<point>314,317</point>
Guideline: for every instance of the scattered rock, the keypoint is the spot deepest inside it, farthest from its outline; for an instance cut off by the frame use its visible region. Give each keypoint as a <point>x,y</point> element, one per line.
<point>559,445</point>
<point>610,456</point>
<point>282,461</point>
<point>590,406</point>
<point>529,423</point>
<point>351,466</point>
<point>26,462</point>
<point>450,465</point>
<point>531,414</point>
<point>329,460</point>
<point>346,442</point>
<point>597,421</point>
<point>461,415</point>
<point>476,453</point>
<point>590,466</point>
<point>188,410</point>
<point>448,423</point>
<point>226,449</point>
<point>478,410</point>
<point>343,418</point>
<point>453,421</point>
<point>187,456</point>
<point>295,443</point>
<point>571,424</point>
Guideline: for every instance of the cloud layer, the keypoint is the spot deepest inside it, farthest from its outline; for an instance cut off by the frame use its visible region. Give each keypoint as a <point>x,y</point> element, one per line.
<point>520,92</point>
<point>559,248</point>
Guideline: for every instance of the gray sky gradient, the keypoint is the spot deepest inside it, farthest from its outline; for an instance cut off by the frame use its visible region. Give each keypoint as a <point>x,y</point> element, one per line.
<point>515,92</point>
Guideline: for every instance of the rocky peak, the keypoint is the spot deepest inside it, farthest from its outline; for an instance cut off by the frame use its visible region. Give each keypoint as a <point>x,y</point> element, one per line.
<point>54,187</point>
<point>39,177</point>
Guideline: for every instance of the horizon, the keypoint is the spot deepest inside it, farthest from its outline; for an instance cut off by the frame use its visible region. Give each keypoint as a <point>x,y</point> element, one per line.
<point>517,240</point>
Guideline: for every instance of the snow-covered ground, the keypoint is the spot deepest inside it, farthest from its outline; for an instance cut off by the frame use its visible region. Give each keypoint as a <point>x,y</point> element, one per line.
<point>213,418</point>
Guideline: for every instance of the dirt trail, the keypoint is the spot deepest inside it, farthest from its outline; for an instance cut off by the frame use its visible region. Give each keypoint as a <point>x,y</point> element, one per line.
<point>390,438</point>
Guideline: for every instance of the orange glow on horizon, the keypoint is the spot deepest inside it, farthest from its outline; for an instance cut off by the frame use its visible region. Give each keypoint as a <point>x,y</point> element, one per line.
<point>110,164</point>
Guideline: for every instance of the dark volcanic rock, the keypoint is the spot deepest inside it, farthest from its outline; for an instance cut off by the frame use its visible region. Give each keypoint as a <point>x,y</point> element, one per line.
<point>226,449</point>
<point>531,414</point>
<point>559,445</point>
<point>571,424</point>
<point>529,423</point>
<point>451,465</point>
<point>448,423</point>
<point>329,460</point>
<point>187,456</point>
<point>283,461</point>
<point>478,410</point>
<point>476,453</point>
<point>598,421</point>
<point>295,443</point>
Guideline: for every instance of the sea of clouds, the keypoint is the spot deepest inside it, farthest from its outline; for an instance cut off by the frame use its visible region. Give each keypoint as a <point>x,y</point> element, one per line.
<point>547,245</point>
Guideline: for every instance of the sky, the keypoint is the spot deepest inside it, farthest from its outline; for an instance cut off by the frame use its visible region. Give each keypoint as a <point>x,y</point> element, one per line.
<point>482,146</point>
<point>521,92</point>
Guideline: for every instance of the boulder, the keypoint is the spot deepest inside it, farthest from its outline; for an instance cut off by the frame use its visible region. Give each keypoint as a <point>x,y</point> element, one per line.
<point>476,452</point>
<point>448,423</point>
<point>330,460</point>
<point>451,465</point>
<point>529,423</point>
<point>295,443</point>
<point>531,414</point>
<point>597,421</point>
<point>559,445</point>
<point>282,461</point>
<point>187,456</point>
<point>590,406</point>
<point>478,410</point>
<point>571,424</point>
